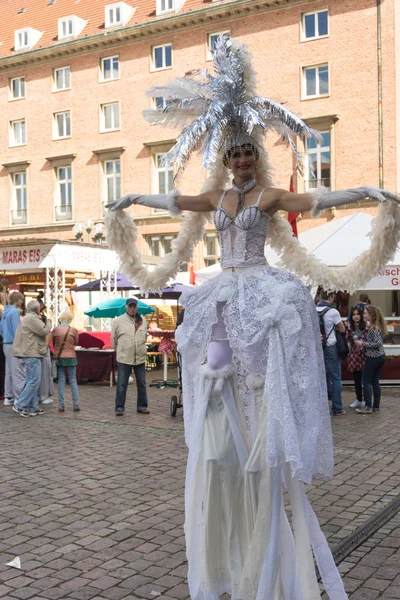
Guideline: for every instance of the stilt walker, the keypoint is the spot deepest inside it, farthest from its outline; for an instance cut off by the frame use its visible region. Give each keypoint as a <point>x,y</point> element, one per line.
<point>255,402</point>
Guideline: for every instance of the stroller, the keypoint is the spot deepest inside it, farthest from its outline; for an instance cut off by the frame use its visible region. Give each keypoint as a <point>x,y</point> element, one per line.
<point>175,401</point>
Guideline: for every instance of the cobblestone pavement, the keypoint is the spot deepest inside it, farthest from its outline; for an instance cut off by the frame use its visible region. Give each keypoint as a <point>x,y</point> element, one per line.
<point>93,503</point>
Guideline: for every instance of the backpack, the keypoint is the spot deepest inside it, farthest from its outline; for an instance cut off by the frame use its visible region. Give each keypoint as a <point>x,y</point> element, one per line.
<point>324,337</point>
<point>341,344</point>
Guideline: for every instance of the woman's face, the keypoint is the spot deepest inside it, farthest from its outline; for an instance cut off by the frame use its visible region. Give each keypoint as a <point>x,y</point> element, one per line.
<point>356,317</point>
<point>367,315</point>
<point>243,161</point>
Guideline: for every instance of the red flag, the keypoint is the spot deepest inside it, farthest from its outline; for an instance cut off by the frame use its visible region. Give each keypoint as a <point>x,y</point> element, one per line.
<point>292,216</point>
<point>192,274</point>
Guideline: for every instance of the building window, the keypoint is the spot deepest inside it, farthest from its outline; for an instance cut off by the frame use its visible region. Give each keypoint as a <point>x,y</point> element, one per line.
<point>110,120</point>
<point>65,28</point>
<point>159,103</point>
<point>316,81</point>
<point>113,16</point>
<point>162,56</point>
<point>17,88</point>
<point>164,179</point>
<point>159,245</point>
<point>109,68</point>
<point>62,125</point>
<point>318,171</point>
<point>212,39</point>
<point>112,180</point>
<point>62,79</point>
<point>211,249</point>
<point>118,14</point>
<point>18,133</point>
<point>164,6</point>
<point>63,210</point>
<point>315,25</point>
<point>21,40</point>
<point>19,212</point>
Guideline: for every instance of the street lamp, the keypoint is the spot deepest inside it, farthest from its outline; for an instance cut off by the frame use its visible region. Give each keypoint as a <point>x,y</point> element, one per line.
<point>99,233</point>
<point>77,230</point>
<point>88,225</point>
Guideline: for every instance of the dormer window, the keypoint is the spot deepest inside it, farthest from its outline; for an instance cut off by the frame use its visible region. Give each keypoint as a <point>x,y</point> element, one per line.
<point>70,27</point>
<point>25,39</point>
<point>118,14</point>
<point>164,6</point>
<point>168,6</point>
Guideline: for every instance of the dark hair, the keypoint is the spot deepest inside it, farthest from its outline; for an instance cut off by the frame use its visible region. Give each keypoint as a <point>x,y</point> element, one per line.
<point>364,298</point>
<point>324,295</point>
<point>351,320</point>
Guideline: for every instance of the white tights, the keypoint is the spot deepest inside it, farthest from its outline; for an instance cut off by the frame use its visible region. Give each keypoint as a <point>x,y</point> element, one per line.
<point>219,353</point>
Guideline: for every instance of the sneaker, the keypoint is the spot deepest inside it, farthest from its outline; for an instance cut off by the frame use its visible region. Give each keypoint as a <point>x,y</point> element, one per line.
<point>356,404</point>
<point>47,401</point>
<point>24,413</point>
<point>76,409</point>
<point>39,412</point>
<point>364,411</point>
<point>375,410</point>
<point>61,409</point>
<point>8,401</point>
<point>339,413</point>
<point>119,412</point>
<point>17,410</point>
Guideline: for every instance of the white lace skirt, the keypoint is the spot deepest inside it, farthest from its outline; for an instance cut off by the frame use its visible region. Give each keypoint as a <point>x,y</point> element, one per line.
<point>239,540</point>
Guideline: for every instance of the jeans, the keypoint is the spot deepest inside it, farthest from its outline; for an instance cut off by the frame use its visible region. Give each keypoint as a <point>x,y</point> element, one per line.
<point>358,385</point>
<point>124,372</point>
<point>72,382</point>
<point>371,374</point>
<point>334,371</point>
<point>28,400</point>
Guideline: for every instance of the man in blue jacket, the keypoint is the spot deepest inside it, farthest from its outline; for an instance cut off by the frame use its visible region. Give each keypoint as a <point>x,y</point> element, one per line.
<point>15,367</point>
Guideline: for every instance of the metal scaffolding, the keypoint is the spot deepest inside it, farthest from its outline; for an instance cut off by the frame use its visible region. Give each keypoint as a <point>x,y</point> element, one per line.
<point>55,292</point>
<point>108,289</point>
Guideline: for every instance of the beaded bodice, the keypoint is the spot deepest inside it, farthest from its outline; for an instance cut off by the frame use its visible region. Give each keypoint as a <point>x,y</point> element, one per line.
<point>242,239</point>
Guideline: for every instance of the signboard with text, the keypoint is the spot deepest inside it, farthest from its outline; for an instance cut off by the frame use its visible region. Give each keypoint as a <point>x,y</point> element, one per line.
<point>389,279</point>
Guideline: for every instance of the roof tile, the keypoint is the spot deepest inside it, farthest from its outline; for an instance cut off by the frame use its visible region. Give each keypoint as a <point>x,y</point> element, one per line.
<point>43,15</point>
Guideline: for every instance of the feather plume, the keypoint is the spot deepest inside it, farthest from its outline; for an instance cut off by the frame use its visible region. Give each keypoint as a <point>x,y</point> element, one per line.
<point>213,109</point>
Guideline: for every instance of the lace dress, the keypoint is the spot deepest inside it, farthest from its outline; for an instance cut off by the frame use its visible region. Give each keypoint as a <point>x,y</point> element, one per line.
<point>254,427</point>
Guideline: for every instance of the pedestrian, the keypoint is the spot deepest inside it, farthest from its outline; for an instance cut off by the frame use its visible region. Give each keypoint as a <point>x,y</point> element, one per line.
<point>65,338</point>
<point>128,338</point>
<point>356,330</point>
<point>2,361</point>
<point>15,368</point>
<point>363,301</point>
<point>375,358</point>
<point>333,365</point>
<point>46,388</point>
<point>30,346</point>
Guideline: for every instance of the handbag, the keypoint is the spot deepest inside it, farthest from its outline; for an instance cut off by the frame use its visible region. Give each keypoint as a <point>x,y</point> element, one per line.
<point>62,345</point>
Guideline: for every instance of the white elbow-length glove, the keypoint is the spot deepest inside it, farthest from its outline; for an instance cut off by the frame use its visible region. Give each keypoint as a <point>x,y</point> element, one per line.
<point>163,201</point>
<point>324,199</point>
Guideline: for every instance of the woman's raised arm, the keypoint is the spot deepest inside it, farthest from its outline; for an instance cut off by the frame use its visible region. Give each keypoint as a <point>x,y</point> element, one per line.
<point>173,202</point>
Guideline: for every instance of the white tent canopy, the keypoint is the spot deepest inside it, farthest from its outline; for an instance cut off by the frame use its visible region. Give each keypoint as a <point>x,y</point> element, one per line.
<point>336,243</point>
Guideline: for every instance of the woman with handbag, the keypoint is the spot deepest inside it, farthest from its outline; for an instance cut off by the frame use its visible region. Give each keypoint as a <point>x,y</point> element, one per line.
<point>65,338</point>
<point>375,358</point>
<point>356,330</point>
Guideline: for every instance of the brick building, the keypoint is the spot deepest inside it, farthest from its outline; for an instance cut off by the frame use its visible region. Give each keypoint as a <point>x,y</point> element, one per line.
<point>73,76</point>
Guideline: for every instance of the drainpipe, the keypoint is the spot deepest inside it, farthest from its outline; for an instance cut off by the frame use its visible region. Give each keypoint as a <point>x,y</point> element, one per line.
<point>380,115</point>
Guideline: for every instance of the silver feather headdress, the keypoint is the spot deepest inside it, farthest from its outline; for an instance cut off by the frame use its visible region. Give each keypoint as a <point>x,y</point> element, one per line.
<point>216,111</point>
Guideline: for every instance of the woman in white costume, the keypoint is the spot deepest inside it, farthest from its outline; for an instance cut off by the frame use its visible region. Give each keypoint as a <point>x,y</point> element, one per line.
<point>255,404</point>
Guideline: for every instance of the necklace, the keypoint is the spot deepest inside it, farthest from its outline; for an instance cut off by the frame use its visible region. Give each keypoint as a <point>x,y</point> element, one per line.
<point>242,190</point>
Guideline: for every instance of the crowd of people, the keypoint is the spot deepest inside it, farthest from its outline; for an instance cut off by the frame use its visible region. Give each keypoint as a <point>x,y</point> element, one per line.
<point>364,333</point>
<point>30,348</point>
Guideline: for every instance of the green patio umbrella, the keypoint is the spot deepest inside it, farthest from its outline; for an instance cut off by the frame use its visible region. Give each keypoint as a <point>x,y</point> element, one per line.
<point>114,307</point>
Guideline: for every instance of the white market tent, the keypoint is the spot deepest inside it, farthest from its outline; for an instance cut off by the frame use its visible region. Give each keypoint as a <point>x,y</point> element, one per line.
<point>336,243</point>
